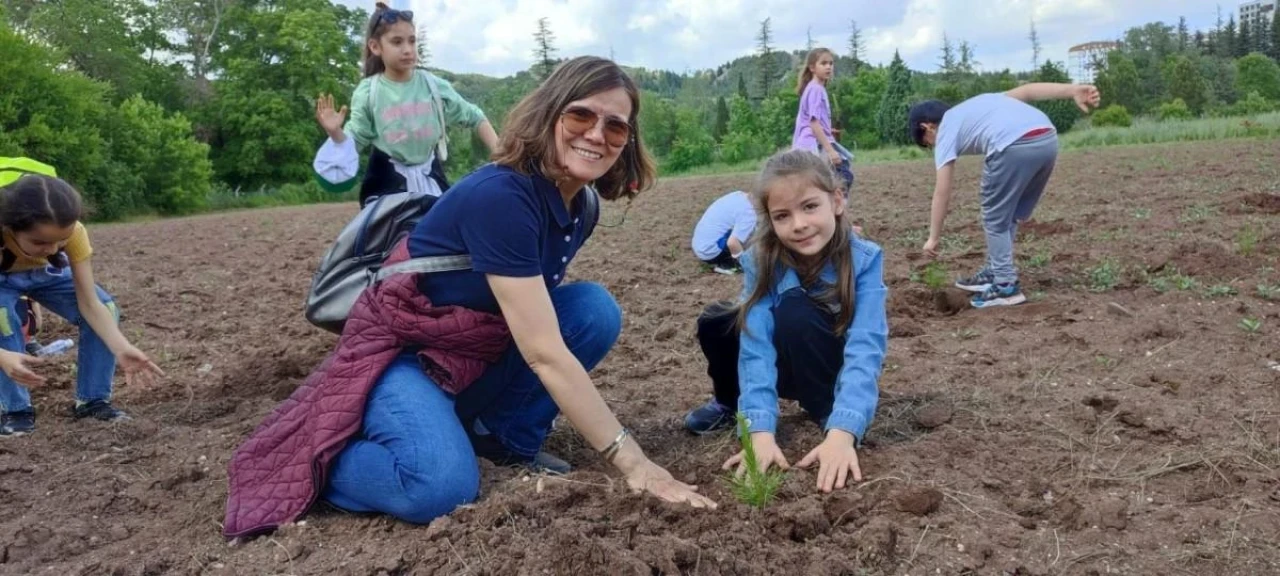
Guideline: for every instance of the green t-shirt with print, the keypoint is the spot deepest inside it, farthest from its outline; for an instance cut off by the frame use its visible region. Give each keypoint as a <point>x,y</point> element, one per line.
<point>400,118</point>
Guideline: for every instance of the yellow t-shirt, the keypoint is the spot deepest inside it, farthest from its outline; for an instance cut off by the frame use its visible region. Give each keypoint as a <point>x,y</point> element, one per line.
<point>77,249</point>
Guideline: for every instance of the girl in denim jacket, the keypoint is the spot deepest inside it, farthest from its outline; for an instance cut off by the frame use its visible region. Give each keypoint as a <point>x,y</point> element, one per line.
<point>809,325</point>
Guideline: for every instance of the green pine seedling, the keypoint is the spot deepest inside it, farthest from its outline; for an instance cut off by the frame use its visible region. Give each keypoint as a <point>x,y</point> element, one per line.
<point>753,488</point>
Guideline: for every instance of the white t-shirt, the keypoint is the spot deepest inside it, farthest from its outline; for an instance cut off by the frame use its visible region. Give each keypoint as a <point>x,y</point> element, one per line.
<point>729,214</point>
<point>985,124</point>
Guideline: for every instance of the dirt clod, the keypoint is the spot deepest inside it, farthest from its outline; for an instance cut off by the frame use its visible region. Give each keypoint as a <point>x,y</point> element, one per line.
<point>933,416</point>
<point>919,500</point>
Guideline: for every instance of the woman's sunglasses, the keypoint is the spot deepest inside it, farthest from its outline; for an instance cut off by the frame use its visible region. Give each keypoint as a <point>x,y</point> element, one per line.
<point>579,120</point>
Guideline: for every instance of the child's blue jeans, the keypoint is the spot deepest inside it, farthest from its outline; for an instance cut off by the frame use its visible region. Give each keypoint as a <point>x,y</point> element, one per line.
<point>54,289</point>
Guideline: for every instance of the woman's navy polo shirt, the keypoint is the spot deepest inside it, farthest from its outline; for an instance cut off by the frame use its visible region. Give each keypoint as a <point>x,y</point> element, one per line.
<point>510,224</point>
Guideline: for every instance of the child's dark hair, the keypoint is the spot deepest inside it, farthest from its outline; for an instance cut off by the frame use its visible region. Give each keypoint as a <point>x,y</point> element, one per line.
<point>383,18</point>
<point>35,199</point>
<point>929,111</point>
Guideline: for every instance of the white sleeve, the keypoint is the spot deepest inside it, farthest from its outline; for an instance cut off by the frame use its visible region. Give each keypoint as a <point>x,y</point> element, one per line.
<point>337,163</point>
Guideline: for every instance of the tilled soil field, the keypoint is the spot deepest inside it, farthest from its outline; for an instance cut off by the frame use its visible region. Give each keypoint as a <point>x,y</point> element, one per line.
<point>1125,421</point>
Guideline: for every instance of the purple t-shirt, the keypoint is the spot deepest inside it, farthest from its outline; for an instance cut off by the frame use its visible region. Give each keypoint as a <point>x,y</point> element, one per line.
<point>813,104</point>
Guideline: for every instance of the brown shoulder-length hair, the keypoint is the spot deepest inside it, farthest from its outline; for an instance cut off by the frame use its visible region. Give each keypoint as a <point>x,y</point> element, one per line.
<point>528,139</point>
<point>805,168</point>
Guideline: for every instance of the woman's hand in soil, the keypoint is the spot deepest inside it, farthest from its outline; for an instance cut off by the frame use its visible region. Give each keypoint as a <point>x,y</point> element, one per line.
<point>836,458</point>
<point>656,480</point>
<point>137,367</point>
<point>330,120</point>
<point>767,454</point>
<point>18,368</point>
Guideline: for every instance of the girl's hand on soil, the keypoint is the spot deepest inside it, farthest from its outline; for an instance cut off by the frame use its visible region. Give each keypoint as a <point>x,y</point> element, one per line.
<point>1086,96</point>
<point>656,480</point>
<point>767,454</point>
<point>931,247</point>
<point>836,458</point>
<point>330,120</point>
<point>137,367</point>
<point>18,368</point>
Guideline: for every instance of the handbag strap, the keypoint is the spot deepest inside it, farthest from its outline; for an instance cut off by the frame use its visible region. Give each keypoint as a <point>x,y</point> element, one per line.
<point>425,265</point>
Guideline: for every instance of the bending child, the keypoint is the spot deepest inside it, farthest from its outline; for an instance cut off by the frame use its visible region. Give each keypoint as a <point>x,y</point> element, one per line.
<point>47,256</point>
<point>723,230</point>
<point>809,325</point>
<point>1020,147</point>
<point>399,110</point>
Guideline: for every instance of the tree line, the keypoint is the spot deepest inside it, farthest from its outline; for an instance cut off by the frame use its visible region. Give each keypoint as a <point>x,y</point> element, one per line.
<point>172,107</point>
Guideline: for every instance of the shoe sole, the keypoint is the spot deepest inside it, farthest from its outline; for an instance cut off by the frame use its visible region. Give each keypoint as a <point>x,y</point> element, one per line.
<point>975,288</point>
<point>725,272</point>
<point>1005,301</point>
<point>15,434</point>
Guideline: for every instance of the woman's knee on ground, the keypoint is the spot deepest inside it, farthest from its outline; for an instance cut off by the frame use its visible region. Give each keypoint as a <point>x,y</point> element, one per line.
<point>430,494</point>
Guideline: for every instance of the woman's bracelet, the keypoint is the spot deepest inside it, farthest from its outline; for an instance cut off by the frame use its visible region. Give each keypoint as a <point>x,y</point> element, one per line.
<point>612,450</point>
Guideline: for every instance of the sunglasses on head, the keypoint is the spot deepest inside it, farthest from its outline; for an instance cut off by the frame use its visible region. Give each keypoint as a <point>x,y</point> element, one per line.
<point>391,16</point>
<point>580,120</point>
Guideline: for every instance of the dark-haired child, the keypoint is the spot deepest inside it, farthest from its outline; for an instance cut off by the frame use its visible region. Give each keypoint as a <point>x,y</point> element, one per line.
<point>1019,146</point>
<point>399,110</point>
<point>46,255</point>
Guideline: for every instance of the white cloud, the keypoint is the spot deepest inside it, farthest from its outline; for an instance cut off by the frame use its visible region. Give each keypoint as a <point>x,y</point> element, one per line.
<point>496,36</point>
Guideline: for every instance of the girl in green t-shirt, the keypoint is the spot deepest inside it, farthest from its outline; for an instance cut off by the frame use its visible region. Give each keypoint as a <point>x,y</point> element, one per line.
<point>398,110</point>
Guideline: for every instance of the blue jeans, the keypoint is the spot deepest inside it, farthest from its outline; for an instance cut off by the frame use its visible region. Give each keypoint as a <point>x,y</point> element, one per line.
<point>413,460</point>
<point>54,289</point>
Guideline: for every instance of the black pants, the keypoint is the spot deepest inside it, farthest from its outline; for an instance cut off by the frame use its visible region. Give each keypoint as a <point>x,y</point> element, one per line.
<point>724,260</point>
<point>380,176</point>
<point>810,355</point>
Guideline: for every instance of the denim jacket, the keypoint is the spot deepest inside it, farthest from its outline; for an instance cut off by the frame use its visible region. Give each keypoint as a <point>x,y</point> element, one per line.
<point>856,393</point>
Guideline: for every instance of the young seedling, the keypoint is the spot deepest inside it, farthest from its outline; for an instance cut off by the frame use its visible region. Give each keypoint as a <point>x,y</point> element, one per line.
<point>1219,291</point>
<point>933,275</point>
<point>1251,325</point>
<point>1269,291</point>
<point>1104,276</point>
<point>753,487</point>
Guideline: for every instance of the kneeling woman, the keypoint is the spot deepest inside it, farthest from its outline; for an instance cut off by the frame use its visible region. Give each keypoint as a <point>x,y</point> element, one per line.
<point>414,453</point>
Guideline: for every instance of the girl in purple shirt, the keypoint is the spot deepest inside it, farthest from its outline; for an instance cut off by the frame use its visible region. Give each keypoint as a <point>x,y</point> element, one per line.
<point>813,119</point>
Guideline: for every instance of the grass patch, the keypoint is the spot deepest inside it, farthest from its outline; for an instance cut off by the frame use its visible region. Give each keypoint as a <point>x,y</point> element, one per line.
<point>1105,276</point>
<point>753,487</point>
<point>1151,131</point>
<point>933,275</point>
<point>1247,239</point>
<point>1170,279</point>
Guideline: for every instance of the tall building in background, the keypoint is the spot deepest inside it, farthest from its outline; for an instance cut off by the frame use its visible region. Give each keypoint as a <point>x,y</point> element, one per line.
<point>1081,59</point>
<point>1257,11</point>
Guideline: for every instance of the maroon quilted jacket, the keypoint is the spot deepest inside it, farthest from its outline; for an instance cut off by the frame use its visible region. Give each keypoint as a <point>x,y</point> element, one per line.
<point>278,473</point>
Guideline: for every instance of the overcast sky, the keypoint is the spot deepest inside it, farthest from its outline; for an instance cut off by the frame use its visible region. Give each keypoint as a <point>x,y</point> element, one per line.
<point>495,37</point>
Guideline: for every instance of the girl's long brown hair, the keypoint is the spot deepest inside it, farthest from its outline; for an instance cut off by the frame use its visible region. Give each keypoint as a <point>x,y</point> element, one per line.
<point>791,168</point>
<point>528,139</point>
<point>806,75</point>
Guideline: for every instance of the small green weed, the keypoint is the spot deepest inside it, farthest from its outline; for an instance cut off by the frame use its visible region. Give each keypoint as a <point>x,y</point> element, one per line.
<point>753,487</point>
<point>1269,291</point>
<point>965,334</point>
<point>1219,291</point>
<point>1040,259</point>
<point>1170,280</point>
<point>1247,240</point>
<point>1105,276</point>
<point>1197,213</point>
<point>1251,325</point>
<point>1106,361</point>
<point>1142,213</point>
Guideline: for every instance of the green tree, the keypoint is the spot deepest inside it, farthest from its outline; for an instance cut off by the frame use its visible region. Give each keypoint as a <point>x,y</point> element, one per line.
<point>693,146</point>
<point>891,118</point>
<point>1034,37</point>
<point>1258,73</point>
<point>170,171</point>
<point>1220,76</point>
<point>1113,115</point>
<point>1187,84</point>
<point>1119,83</point>
<point>658,123</point>
<point>722,119</point>
<point>857,48</point>
<point>544,51</point>
<point>859,102</point>
<point>764,59</point>
<point>1275,37</point>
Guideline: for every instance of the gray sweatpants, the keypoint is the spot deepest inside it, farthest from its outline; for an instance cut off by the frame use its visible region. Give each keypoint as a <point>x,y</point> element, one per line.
<point>1012,182</point>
